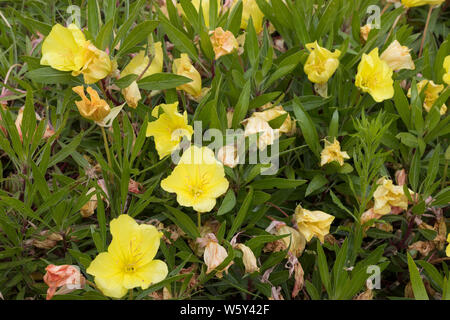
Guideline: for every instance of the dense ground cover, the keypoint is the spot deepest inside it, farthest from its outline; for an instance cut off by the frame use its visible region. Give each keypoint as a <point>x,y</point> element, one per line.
<point>324,167</point>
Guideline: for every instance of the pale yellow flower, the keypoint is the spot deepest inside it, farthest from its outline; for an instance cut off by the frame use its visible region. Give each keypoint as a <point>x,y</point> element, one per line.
<point>95,109</point>
<point>66,49</point>
<point>168,130</point>
<point>89,207</point>
<point>183,67</point>
<point>214,254</point>
<point>270,113</point>
<point>223,42</point>
<point>228,156</point>
<point>321,63</point>
<point>129,261</point>
<point>388,195</point>
<point>267,135</point>
<point>295,240</point>
<point>313,223</point>
<point>332,152</point>
<point>447,251</point>
<point>375,77</point>
<point>248,258</point>
<point>446,76</point>
<point>398,57</point>
<point>364,32</point>
<point>137,66</point>
<point>205,9</point>
<point>417,3</point>
<point>198,179</point>
<point>250,9</point>
<point>432,92</point>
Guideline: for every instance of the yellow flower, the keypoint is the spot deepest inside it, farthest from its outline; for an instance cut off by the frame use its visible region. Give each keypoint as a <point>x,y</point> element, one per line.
<point>447,251</point>
<point>137,66</point>
<point>296,241</point>
<point>313,223</point>
<point>375,77</point>
<point>169,128</point>
<point>398,57</point>
<point>432,92</point>
<point>223,42</point>
<point>332,152</point>
<point>250,9</point>
<point>97,67</point>
<point>388,195</point>
<point>446,76</point>
<point>183,67</point>
<point>66,49</point>
<point>417,3</point>
<point>364,32</point>
<point>129,261</point>
<point>198,179</point>
<point>321,63</point>
<point>95,109</point>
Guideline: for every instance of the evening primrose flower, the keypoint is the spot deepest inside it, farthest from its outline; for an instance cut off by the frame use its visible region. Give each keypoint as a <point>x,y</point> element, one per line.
<point>332,152</point>
<point>129,261</point>
<point>66,49</point>
<point>398,57</point>
<point>375,77</point>
<point>432,92</point>
<point>417,3</point>
<point>66,277</point>
<point>95,109</point>
<point>321,63</point>
<point>228,155</point>
<point>364,32</point>
<point>183,67</point>
<point>137,66</point>
<point>295,240</point>
<point>223,42</point>
<point>313,223</point>
<point>257,125</point>
<point>446,76</point>
<point>169,128</point>
<point>198,179</point>
<point>248,258</point>
<point>250,9</point>
<point>270,113</point>
<point>388,195</point>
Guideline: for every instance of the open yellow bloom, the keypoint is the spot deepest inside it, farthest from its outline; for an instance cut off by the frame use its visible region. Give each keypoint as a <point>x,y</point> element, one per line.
<point>137,66</point>
<point>417,3</point>
<point>375,77</point>
<point>223,42</point>
<point>95,109</point>
<point>321,63</point>
<point>388,195</point>
<point>432,92</point>
<point>198,179</point>
<point>332,152</point>
<point>446,76</point>
<point>398,57</point>
<point>313,223</point>
<point>169,128</point>
<point>250,9</point>
<point>66,49</point>
<point>129,261</point>
<point>183,67</point>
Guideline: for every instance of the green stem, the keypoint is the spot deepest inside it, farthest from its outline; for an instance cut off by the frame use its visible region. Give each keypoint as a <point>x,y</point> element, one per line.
<point>105,140</point>
<point>199,220</point>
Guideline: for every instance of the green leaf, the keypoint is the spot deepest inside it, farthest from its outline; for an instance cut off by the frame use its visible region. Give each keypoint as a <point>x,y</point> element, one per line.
<point>420,293</point>
<point>317,182</point>
<point>241,106</point>
<point>280,183</point>
<point>307,126</point>
<point>49,75</point>
<point>228,203</point>
<point>183,221</point>
<point>137,35</point>
<point>94,18</point>
<point>162,81</point>
<point>241,215</point>
<point>323,268</point>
